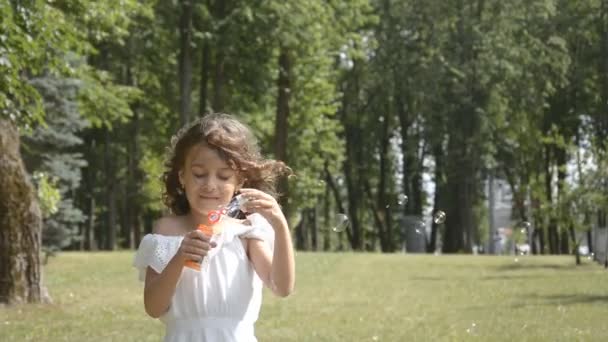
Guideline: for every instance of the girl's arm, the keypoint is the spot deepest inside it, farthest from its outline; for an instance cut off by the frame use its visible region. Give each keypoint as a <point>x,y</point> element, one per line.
<point>160,287</point>
<point>276,269</point>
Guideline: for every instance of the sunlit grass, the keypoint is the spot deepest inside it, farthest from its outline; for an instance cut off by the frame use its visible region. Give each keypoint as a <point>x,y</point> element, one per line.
<point>344,297</point>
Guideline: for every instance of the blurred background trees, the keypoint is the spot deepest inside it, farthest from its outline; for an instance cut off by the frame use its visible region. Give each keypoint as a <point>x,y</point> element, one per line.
<point>389,111</point>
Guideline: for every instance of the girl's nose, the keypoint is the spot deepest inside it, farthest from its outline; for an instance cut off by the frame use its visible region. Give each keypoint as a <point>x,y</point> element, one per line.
<point>209,184</point>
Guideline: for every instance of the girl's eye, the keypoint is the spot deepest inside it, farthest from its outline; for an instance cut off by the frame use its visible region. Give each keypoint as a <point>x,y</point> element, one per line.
<point>199,175</point>
<point>224,178</point>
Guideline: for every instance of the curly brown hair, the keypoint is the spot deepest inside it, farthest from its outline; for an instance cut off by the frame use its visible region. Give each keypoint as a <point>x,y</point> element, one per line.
<point>235,144</point>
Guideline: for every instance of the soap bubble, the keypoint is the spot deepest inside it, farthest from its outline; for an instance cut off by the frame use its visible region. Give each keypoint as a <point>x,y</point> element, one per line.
<point>341,222</point>
<point>439,217</point>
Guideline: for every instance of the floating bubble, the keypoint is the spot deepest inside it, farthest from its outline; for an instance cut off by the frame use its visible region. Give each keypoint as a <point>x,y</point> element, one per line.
<point>439,217</point>
<point>524,226</point>
<point>471,330</point>
<point>402,199</point>
<point>341,223</point>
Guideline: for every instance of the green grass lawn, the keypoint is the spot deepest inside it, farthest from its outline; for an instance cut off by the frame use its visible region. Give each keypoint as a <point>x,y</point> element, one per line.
<point>345,297</point>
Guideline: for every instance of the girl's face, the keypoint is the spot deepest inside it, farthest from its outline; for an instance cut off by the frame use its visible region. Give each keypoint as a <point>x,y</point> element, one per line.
<point>208,180</point>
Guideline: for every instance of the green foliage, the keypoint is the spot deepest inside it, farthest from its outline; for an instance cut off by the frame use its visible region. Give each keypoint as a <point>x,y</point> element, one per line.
<point>49,150</point>
<point>34,38</point>
<point>48,193</point>
<point>457,89</point>
<point>152,166</point>
<point>102,101</point>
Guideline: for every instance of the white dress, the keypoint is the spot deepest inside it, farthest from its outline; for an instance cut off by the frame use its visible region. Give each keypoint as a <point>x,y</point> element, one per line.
<point>221,302</point>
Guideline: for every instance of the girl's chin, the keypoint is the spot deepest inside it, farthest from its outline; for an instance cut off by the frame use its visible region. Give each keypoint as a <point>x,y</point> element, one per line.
<point>204,211</point>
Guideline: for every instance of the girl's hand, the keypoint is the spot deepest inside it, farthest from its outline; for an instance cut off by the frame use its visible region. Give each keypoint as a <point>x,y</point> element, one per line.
<point>263,204</point>
<point>195,246</point>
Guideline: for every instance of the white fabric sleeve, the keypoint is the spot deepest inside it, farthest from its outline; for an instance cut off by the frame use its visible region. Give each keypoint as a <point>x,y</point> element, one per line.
<point>260,230</point>
<point>156,251</point>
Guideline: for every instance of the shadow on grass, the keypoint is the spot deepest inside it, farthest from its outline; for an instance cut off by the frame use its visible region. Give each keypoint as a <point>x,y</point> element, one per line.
<point>568,299</point>
<point>537,266</point>
<point>514,277</point>
<point>427,278</point>
<point>534,299</point>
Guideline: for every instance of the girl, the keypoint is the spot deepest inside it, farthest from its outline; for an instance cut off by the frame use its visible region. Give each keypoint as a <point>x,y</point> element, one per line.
<point>210,161</point>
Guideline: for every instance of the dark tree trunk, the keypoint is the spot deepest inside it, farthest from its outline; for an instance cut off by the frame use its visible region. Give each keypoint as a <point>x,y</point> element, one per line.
<point>339,203</point>
<point>326,219</point>
<point>602,110</point>
<point>301,230</point>
<point>185,61</point>
<point>20,226</point>
<point>314,230</point>
<point>354,198</point>
<point>561,160</point>
<point>463,157</point>
<point>219,80</point>
<point>383,207</point>
<point>282,120</point>
<point>438,200</point>
<point>110,196</point>
<point>552,234</point>
<point>131,230</point>
<point>90,177</point>
<point>90,241</point>
<point>205,65</point>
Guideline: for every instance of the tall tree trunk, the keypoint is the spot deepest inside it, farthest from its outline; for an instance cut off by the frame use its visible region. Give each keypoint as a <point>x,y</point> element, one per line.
<point>185,61</point>
<point>131,231</point>
<point>383,208</point>
<point>561,160</point>
<point>377,213</point>
<point>326,219</point>
<point>219,80</point>
<point>314,229</point>
<point>205,65</point>
<point>90,240</point>
<point>552,233</point>
<point>601,125</point>
<point>453,241</point>
<point>463,157</point>
<point>438,196</point>
<point>130,197</point>
<point>602,110</point>
<point>301,231</point>
<point>284,85</point>
<point>20,225</point>
<point>339,204</point>
<point>90,176</point>
<point>137,181</point>
<point>352,166</point>
<point>110,189</point>
<point>353,189</point>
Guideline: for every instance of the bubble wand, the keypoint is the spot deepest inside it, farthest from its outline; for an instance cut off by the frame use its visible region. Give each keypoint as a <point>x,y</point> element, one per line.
<point>232,209</point>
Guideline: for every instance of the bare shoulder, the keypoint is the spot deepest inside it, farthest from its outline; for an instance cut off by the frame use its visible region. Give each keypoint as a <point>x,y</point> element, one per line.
<point>170,225</point>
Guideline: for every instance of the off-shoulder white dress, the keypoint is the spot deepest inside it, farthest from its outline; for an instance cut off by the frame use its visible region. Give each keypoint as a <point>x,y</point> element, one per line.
<point>221,302</point>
